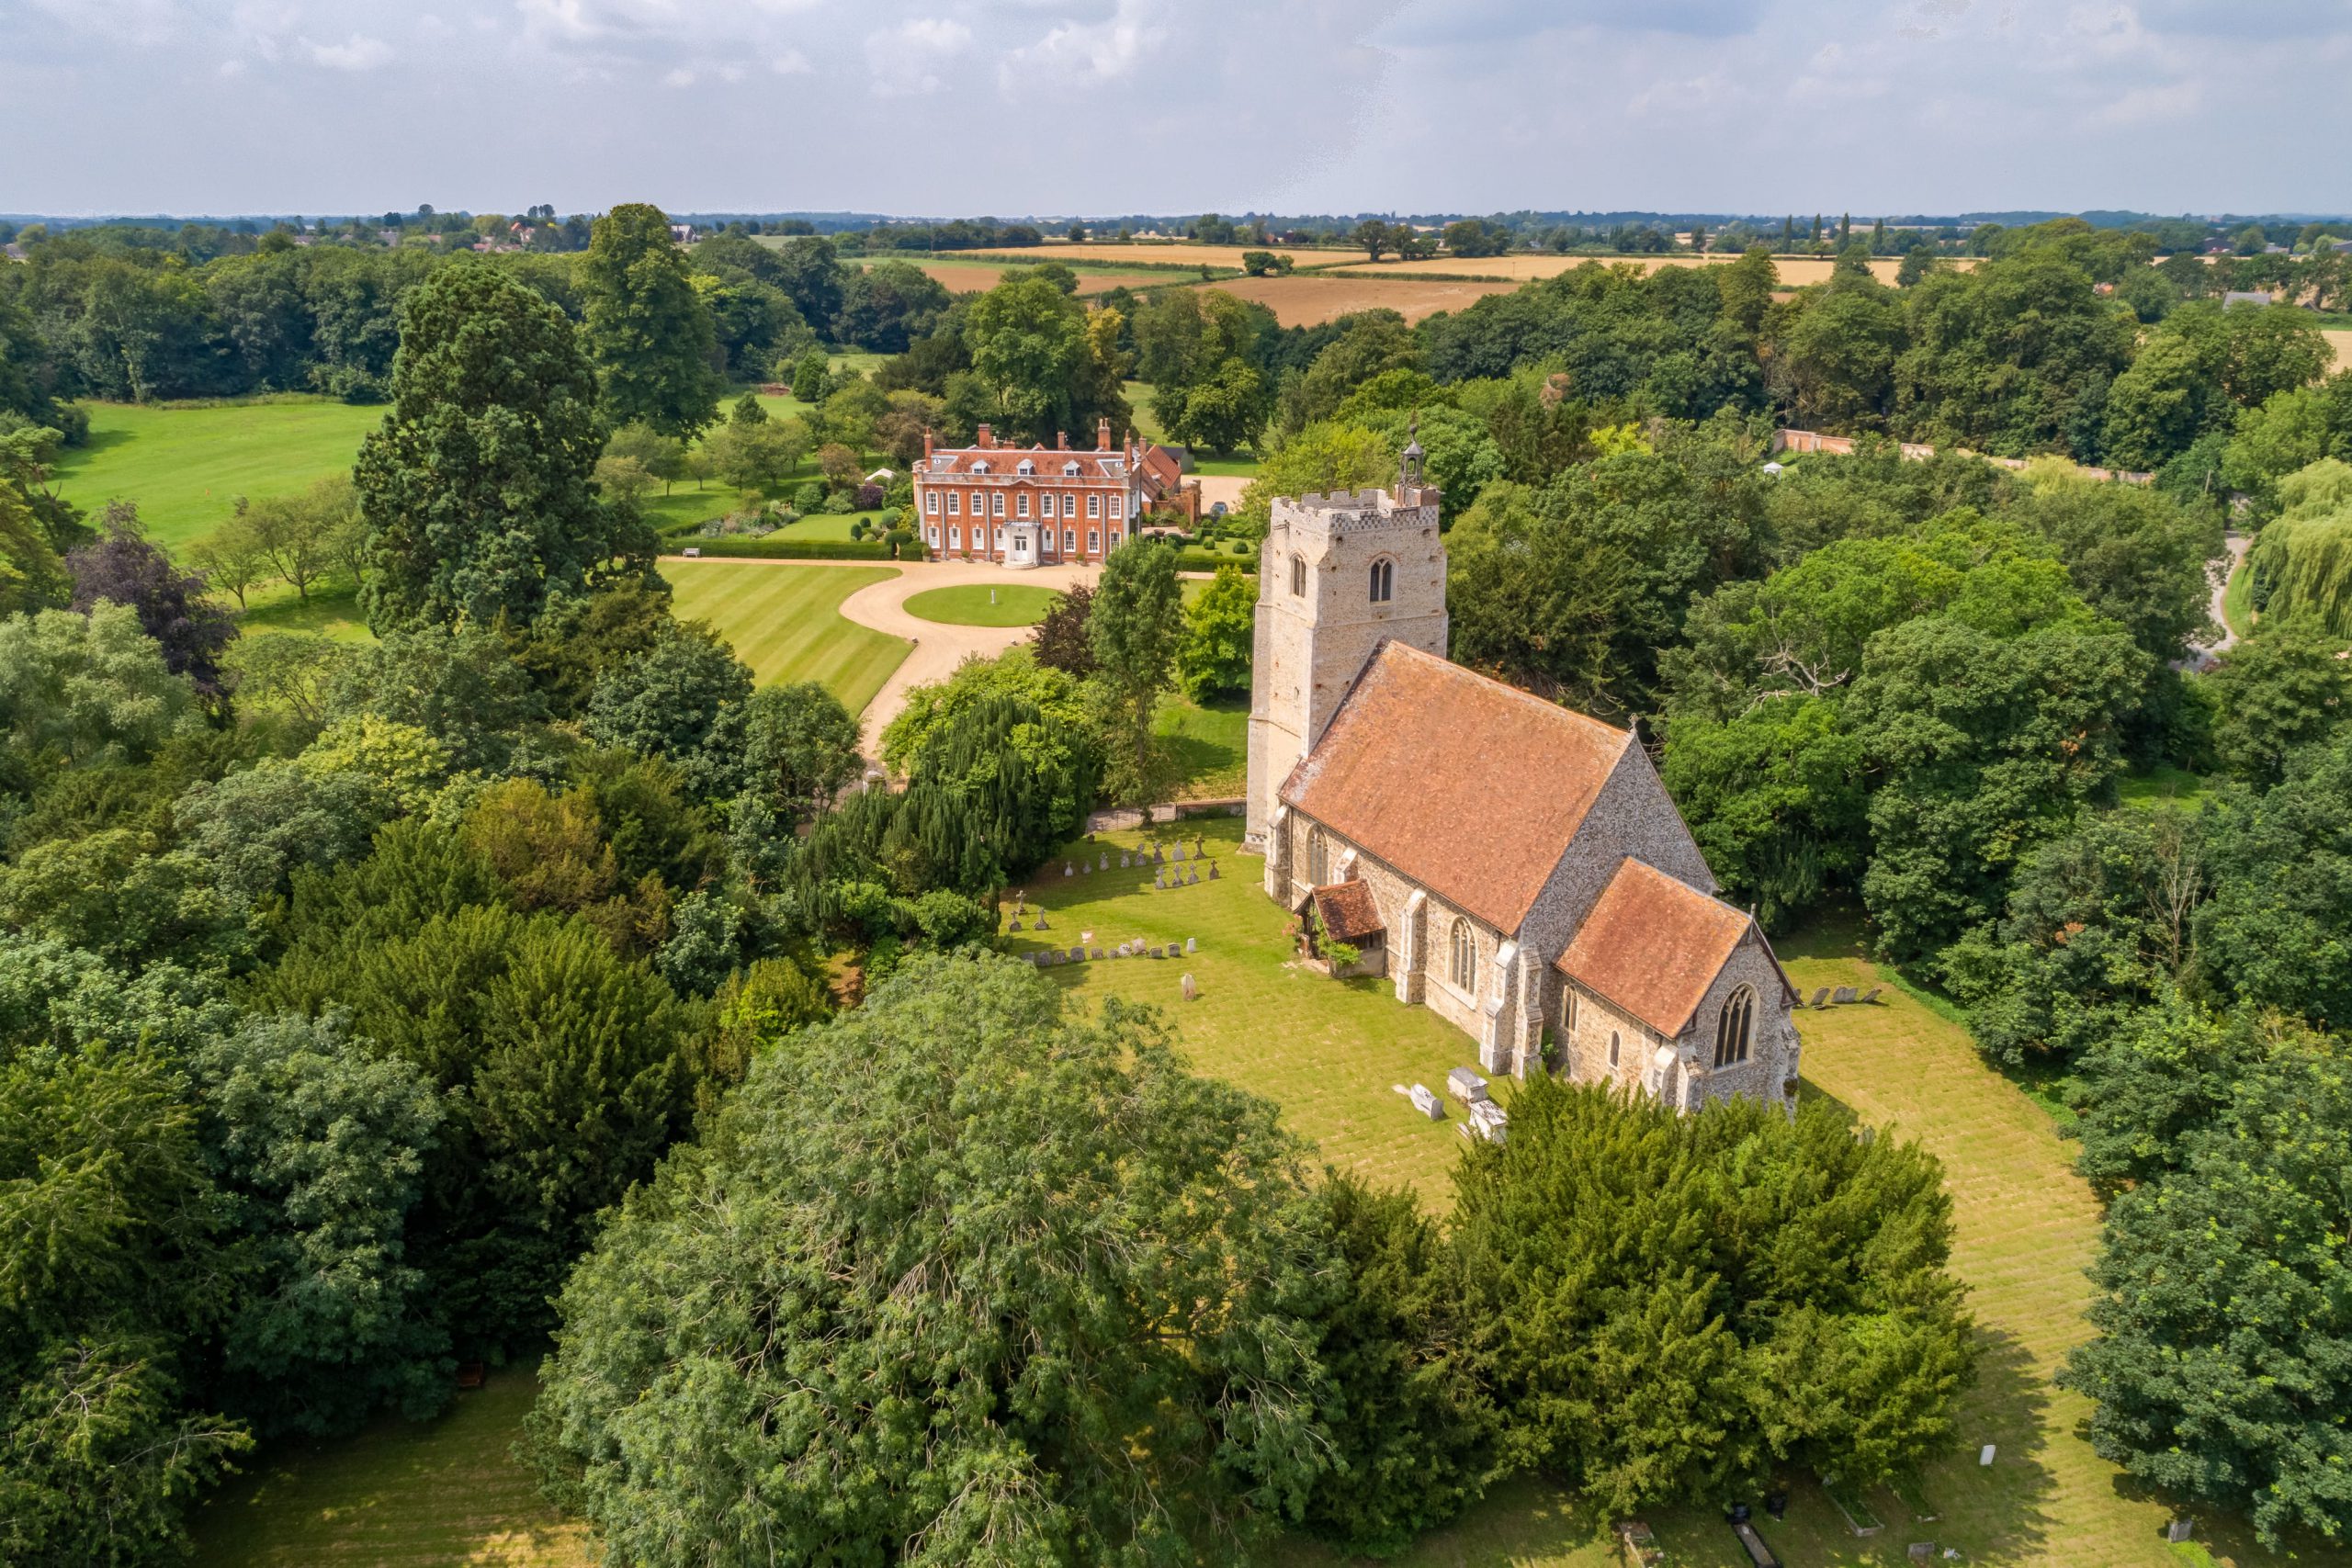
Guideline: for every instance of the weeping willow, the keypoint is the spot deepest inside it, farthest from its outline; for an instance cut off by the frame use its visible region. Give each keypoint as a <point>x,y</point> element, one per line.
<point>2302,562</point>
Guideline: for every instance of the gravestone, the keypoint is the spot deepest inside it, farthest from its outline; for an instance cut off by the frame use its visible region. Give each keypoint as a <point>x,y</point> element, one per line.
<point>1123,860</point>
<point>1193,880</point>
<point>1096,955</point>
<point>1121,951</point>
<point>1159,882</point>
<point>1199,845</point>
<point>1106,861</point>
<point>1212,871</point>
<point>1923,1552</point>
<point>1191,945</point>
<point>1086,937</point>
<point>1016,922</point>
<point>2179,1530</point>
<point>1159,856</point>
<point>1843,994</point>
<point>1076,953</point>
<point>1041,925</point>
<point>1069,869</point>
<point>1190,991</point>
<point>1428,1103</point>
<point>1180,851</point>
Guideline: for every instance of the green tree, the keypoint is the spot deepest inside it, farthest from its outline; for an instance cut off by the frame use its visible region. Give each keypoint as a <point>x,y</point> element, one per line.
<point>1682,1304</point>
<point>1135,626</point>
<point>1319,459</point>
<point>2285,689</point>
<point>2219,1371</point>
<point>319,1149</point>
<point>110,1250</point>
<point>648,329</point>
<point>88,690</point>
<point>1984,745</point>
<point>1775,798</point>
<point>478,490</point>
<point>683,700</point>
<point>1533,601</point>
<point>919,1333</point>
<point>1220,628</point>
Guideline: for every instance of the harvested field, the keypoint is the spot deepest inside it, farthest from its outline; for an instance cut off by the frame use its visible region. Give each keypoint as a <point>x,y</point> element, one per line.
<point>1178,252</point>
<point>1795,270</point>
<point>1305,301</point>
<point>2340,340</point>
<point>973,277</point>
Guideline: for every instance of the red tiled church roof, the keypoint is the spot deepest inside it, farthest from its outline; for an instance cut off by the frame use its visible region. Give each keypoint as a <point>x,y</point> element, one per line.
<point>1652,946</point>
<point>1468,787</point>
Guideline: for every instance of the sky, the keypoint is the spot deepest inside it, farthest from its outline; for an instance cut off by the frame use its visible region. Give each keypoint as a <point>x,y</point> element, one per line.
<point>1053,107</point>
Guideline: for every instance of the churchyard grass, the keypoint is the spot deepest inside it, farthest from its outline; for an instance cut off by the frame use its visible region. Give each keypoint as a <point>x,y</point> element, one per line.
<point>983,604</point>
<point>183,465</point>
<point>785,621</point>
<point>398,1496</point>
<point>1211,740</point>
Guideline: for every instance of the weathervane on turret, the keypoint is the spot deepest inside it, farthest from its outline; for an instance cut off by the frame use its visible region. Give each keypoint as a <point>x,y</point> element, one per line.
<point>1408,465</point>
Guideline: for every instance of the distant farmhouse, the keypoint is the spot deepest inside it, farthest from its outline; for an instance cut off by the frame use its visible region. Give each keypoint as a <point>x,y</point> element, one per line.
<point>1032,506</point>
<point>1514,866</point>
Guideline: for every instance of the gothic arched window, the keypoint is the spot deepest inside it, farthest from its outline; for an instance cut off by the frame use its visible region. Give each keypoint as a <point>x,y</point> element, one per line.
<point>1616,1044</point>
<point>1465,956</point>
<point>1298,574</point>
<point>1383,581</point>
<point>1733,1025</point>
<point>1319,854</point>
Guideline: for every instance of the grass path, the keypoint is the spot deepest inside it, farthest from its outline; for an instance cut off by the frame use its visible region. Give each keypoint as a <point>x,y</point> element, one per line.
<point>398,1496</point>
<point>785,622</point>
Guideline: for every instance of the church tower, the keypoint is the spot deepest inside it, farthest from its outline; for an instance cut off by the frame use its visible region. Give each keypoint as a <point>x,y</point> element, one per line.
<point>1338,575</point>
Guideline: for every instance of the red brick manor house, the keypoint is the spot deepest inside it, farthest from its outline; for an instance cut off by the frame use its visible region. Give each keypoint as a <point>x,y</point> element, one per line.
<point>1038,505</point>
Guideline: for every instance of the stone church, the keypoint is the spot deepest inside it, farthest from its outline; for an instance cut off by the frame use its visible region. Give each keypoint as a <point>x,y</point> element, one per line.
<point>1513,865</point>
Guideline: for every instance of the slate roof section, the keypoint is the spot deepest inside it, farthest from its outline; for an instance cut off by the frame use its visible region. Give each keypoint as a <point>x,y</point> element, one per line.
<point>1348,912</point>
<point>1652,946</point>
<point>1468,787</point>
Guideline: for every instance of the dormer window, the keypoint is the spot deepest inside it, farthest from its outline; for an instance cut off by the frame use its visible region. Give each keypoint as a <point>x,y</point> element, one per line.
<point>1069,470</point>
<point>981,467</point>
<point>1027,466</point>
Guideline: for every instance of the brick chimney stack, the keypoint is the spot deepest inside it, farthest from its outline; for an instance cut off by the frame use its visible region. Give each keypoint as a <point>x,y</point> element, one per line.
<point>1061,440</point>
<point>984,436</point>
<point>1102,433</point>
<point>926,442</point>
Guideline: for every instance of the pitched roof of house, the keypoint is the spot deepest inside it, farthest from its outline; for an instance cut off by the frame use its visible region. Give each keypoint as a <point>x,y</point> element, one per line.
<point>1652,945</point>
<point>1004,462</point>
<point>1465,785</point>
<point>1348,912</point>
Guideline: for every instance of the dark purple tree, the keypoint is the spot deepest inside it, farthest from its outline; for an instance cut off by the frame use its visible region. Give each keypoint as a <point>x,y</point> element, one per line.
<point>869,497</point>
<point>126,567</point>
<point>1061,639</point>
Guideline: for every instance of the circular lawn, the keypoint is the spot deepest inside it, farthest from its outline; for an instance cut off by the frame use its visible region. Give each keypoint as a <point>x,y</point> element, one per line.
<point>969,604</point>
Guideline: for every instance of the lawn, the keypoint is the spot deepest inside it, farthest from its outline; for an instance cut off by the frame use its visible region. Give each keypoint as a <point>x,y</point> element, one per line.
<point>984,605</point>
<point>447,1491</point>
<point>183,465</point>
<point>1211,742</point>
<point>2153,787</point>
<point>333,611</point>
<point>785,621</point>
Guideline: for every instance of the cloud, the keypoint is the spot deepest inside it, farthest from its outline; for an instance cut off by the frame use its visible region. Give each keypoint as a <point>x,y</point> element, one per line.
<point>791,62</point>
<point>1107,50</point>
<point>912,58</point>
<point>679,78</point>
<point>358,52</point>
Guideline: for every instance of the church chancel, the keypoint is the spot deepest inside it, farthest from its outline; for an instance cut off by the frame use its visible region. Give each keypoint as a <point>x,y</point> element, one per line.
<point>1523,871</point>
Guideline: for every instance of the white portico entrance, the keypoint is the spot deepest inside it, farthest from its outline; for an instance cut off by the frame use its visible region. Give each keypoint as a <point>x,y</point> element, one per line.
<point>1021,548</point>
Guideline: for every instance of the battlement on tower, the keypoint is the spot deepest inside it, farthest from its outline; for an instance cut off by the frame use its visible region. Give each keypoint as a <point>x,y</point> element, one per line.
<point>1358,510</point>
